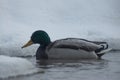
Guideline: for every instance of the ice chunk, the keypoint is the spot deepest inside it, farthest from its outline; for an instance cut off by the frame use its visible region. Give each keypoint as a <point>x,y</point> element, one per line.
<point>13,66</point>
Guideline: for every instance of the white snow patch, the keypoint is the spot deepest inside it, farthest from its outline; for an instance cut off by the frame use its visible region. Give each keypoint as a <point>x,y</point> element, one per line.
<point>88,19</point>
<point>13,66</point>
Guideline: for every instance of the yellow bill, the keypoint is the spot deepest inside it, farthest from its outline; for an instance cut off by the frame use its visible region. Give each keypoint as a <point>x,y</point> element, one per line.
<point>28,44</point>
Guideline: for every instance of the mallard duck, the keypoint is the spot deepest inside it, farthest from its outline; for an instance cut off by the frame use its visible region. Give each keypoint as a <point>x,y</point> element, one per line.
<point>69,48</point>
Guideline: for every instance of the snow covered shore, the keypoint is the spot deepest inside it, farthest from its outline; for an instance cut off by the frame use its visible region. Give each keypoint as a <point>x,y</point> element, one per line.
<point>13,66</point>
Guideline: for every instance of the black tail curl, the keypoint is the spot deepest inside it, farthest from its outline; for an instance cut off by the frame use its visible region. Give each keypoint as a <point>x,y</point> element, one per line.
<point>104,46</point>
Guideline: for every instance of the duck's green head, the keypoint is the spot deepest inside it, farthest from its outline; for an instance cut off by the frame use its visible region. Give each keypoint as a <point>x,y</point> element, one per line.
<point>40,37</point>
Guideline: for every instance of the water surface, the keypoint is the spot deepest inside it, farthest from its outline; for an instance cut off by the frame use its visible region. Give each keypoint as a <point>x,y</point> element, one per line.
<point>104,69</point>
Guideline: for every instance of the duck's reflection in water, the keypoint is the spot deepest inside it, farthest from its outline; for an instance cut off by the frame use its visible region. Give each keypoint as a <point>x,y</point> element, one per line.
<point>81,64</point>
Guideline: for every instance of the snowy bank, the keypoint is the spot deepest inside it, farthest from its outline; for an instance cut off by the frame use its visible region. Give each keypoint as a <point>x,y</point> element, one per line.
<point>13,66</point>
<point>88,19</point>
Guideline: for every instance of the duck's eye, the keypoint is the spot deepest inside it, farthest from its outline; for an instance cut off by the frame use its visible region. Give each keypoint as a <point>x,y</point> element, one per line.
<point>35,38</point>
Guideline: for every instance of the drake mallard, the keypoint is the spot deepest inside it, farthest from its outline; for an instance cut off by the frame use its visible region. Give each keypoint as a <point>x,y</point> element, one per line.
<point>69,48</point>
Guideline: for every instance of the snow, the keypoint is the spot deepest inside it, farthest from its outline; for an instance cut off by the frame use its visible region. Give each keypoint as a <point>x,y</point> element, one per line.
<point>88,19</point>
<point>13,66</point>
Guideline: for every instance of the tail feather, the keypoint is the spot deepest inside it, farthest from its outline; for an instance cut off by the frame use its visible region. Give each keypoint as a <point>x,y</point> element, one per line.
<point>101,51</point>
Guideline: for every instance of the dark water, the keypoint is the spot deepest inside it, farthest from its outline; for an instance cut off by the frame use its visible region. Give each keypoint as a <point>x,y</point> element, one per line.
<point>107,68</point>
